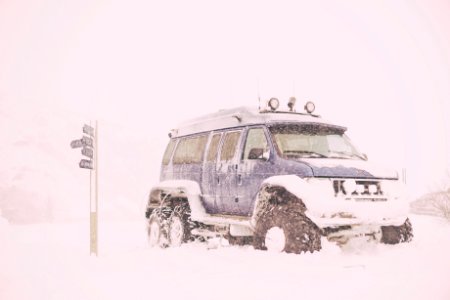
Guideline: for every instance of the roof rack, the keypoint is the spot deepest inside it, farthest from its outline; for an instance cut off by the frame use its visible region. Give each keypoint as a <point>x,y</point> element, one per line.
<point>240,116</point>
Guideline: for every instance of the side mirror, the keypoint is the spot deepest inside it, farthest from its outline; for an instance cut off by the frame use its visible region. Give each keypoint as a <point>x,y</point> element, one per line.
<point>256,153</point>
<point>364,156</point>
<point>266,155</point>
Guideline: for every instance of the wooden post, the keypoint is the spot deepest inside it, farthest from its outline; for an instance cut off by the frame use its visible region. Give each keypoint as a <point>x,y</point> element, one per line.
<point>94,200</point>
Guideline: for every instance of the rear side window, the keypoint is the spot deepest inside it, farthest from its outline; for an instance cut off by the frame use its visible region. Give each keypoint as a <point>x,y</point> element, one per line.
<point>190,150</point>
<point>168,152</point>
<point>229,145</point>
<point>213,146</point>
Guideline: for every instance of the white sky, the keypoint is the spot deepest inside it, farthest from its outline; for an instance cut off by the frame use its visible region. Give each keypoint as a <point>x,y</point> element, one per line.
<point>382,68</point>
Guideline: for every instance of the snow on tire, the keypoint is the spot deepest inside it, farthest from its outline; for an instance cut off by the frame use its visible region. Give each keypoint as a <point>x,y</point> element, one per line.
<point>157,227</point>
<point>283,230</point>
<point>397,234</point>
<point>179,225</point>
<point>275,239</point>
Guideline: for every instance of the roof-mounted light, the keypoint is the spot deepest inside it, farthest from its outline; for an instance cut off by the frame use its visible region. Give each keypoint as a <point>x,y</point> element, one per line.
<point>291,103</point>
<point>310,107</point>
<point>273,104</point>
<point>173,133</point>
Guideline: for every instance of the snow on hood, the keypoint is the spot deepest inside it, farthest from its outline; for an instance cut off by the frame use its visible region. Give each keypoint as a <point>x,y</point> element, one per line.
<point>326,167</point>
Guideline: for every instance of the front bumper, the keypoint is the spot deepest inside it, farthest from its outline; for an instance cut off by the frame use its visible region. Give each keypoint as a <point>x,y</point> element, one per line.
<point>344,212</point>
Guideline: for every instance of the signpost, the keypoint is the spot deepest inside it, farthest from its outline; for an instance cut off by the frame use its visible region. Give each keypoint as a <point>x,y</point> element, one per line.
<point>88,130</point>
<point>87,141</point>
<point>76,144</point>
<point>89,145</point>
<point>87,152</point>
<point>86,164</point>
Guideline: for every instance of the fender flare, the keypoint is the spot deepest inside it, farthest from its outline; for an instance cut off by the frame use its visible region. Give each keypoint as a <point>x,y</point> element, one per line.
<point>295,186</point>
<point>179,188</point>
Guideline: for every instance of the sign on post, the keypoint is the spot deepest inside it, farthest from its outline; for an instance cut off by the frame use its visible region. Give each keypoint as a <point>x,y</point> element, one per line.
<point>86,164</point>
<point>89,145</point>
<point>76,144</point>
<point>84,141</point>
<point>88,130</point>
<point>87,141</point>
<point>87,152</point>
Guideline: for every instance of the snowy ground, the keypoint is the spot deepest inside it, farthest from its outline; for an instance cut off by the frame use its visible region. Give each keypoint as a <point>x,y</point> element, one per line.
<point>51,261</point>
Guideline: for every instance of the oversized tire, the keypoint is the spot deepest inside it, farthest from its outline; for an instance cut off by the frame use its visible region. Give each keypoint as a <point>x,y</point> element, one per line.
<point>397,234</point>
<point>281,229</point>
<point>180,225</point>
<point>157,228</point>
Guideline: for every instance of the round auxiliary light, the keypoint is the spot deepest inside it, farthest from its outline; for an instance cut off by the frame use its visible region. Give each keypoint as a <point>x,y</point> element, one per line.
<point>360,189</point>
<point>349,186</point>
<point>309,107</point>
<point>373,189</point>
<point>291,103</point>
<point>274,103</point>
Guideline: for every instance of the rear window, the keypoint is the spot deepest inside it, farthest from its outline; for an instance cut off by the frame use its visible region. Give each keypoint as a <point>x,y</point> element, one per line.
<point>168,152</point>
<point>190,150</point>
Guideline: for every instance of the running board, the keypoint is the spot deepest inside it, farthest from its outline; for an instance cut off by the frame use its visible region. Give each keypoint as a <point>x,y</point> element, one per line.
<point>223,220</point>
<point>239,226</point>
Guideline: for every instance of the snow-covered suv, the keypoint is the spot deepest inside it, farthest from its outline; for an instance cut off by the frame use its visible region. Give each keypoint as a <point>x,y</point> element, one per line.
<point>278,179</point>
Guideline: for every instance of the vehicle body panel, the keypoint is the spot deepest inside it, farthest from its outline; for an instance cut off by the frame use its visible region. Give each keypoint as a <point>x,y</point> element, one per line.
<point>228,188</point>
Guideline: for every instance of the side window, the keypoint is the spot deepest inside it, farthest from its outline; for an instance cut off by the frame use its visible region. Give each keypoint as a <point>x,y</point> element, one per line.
<point>229,145</point>
<point>190,150</point>
<point>168,152</point>
<point>256,144</point>
<point>213,147</point>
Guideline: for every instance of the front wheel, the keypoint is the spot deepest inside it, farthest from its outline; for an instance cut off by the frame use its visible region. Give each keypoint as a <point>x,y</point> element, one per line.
<point>282,230</point>
<point>397,234</point>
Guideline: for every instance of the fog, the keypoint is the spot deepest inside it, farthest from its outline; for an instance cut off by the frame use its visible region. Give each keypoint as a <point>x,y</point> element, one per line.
<point>139,68</point>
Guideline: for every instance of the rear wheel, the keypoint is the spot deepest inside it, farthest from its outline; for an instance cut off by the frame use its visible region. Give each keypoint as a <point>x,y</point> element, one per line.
<point>281,230</point>
<point>154,231</point>
<point>180,225</point>
<point>157,227</point>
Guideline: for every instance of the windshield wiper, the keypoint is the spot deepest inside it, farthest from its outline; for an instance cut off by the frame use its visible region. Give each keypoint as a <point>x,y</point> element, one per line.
<point>301,152</point>
<point>345,155</point>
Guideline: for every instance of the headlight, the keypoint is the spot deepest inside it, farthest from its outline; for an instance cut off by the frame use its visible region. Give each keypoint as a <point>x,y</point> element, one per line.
<point>360,189</point>
<point>373,189</point>
<point>392,188</point>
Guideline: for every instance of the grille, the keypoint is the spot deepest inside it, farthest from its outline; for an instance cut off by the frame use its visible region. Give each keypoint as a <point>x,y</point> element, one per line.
<point>366,190</point>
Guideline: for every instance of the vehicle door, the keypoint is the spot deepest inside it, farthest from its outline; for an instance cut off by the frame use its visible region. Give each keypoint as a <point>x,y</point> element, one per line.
<point>254,167</point>
<point>209,177</point>
<point>227,173</point>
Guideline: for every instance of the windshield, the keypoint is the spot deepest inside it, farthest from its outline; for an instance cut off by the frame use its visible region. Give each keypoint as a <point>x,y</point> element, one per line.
<point>312,141</point>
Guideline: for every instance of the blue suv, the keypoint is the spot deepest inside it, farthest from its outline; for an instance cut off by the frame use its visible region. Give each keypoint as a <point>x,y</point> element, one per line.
<point>278,179</point>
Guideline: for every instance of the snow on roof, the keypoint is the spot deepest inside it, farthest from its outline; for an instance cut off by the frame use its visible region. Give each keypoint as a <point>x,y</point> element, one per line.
<point>241,116</point>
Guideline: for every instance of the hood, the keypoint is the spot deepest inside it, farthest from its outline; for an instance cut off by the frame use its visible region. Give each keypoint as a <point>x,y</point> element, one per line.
<point>348,168</point>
